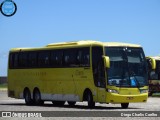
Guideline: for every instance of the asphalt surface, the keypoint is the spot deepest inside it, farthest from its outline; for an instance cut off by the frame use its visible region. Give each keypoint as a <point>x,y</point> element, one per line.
<point>11,104</point>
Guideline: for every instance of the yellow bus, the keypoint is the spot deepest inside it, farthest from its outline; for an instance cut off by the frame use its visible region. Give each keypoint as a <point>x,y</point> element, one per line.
<point>92,71</point>
<point>154,74</point>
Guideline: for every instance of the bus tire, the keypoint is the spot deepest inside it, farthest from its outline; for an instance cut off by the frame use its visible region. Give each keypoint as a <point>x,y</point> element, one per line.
<point>124,105</point>
<point>37,97</point>
<point>71,103</point>
<point>27,97</point>
<point>58,103</point>
<point>90,101</point>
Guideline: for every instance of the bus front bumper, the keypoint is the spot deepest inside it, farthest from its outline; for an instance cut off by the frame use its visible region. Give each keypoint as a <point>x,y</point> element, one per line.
<point>117,98</point>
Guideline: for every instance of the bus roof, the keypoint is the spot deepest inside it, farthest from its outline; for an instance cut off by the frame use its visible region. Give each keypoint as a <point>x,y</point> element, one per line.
<point>91,42</point>
<point>79,43</point>
<point>155,57</point>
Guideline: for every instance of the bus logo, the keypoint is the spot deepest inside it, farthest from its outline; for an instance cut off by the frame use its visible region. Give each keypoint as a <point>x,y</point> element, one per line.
<point>8,8</point>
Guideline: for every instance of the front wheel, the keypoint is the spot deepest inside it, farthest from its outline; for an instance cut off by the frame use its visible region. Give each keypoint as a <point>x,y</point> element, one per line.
<point>90,101</point>
<point>124,105</point>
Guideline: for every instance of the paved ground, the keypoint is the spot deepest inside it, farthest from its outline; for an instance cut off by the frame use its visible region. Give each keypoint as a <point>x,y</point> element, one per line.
<point>11,104</point>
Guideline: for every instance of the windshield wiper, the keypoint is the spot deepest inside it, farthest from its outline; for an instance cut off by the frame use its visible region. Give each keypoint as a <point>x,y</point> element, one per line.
<point>137,82</point>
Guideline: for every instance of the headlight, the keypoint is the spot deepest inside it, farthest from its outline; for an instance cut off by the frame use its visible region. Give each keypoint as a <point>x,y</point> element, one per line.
<point>112,91</point>
<point>143,91</point>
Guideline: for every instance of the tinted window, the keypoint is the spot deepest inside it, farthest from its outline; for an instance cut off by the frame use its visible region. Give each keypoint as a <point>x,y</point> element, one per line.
<point>83,57</point>
<point>70,58</point>
<point>56,58</point>
<point>43,58</point>
<point>23,59</point>
<point>32,59</point>
<point>11,60</point>
<point>74,57</point>
<point>15,64</point>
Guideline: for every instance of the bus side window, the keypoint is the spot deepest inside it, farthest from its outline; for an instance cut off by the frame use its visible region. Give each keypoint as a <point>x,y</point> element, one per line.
<point>23,61</point>
<point>56,58</point>
<point>70,57</point>
<point>43,59</point>
<point>83,57</point>
<point>11,60</point>
<point>32,59</point>
<point>86,60</point>
<point>66,58</point>
<point>15,64</point>
<point>79,56</point>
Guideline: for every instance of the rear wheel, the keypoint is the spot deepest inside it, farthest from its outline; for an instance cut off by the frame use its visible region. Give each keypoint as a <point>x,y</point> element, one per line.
<point>124,105</point>
<point>71,103</point>
<point>27,97</point>
<point>37,97</point>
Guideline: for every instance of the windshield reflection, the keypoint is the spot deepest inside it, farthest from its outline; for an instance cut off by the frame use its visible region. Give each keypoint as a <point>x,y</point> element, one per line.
<point>127,67</point>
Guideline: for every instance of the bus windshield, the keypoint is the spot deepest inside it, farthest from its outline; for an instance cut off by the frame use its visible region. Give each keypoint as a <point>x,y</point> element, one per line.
<point>127,67</point>
<point>155,74</point>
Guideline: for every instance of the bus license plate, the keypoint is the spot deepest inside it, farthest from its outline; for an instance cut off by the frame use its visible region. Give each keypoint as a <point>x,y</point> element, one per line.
<point>130,98</point>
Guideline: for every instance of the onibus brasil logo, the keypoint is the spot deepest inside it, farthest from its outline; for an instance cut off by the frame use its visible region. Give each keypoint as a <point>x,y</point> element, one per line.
<point>8,8</point>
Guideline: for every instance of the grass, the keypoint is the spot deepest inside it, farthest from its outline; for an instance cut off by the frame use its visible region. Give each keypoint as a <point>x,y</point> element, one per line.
<point>156,95</point>
<point>3,85</point>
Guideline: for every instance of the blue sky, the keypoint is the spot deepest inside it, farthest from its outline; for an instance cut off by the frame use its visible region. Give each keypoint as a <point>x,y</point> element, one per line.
<point>39,22</point>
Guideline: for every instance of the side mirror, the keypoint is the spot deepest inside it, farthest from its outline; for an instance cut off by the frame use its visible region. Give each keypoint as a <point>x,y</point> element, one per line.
<point>106,61</point>
<point>151,62</point>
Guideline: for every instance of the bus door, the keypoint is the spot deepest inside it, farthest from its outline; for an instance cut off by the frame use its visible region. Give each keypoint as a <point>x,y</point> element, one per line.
<point>99,73</point>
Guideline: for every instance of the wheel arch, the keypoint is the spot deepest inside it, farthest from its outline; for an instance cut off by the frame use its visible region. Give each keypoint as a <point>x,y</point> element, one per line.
<point>85,93</point>
<point>35,88</point>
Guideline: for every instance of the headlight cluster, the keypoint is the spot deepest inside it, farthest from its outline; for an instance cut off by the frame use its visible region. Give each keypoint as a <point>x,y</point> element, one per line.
<point>143,91</point>
<point>112,91</point>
